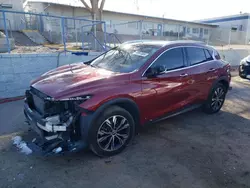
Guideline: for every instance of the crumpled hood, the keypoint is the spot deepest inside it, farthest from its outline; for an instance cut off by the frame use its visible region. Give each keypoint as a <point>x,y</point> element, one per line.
<point>68,79</point>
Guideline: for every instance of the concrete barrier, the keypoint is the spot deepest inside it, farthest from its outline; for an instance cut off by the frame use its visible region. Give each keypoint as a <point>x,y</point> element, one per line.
<point>4,46</point>
<point>17,70</point>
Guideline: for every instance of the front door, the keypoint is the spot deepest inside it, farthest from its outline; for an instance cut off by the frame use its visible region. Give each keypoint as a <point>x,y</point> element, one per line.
<point>169,90</point>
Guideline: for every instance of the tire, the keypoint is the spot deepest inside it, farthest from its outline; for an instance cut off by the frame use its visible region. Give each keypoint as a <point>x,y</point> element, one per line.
<point>105,139</point>
<point>241,73</point>
<point>217,96</point>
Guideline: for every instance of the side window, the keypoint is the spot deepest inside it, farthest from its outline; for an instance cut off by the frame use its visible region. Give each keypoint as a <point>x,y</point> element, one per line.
<point>170,60</point>
<point>217,55</point>
<point>196,55</point>
<point>208,55</point>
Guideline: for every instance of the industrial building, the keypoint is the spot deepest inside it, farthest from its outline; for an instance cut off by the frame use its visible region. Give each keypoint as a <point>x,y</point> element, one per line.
<point>238,26</point>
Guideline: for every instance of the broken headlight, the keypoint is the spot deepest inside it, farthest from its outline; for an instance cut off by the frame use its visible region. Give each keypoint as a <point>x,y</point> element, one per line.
<point>81,98</point>
<point>55,106</point>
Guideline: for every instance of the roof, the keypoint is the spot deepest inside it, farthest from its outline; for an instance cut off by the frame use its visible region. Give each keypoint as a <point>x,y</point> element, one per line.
<point>225,18</point>
<point>165,43</point>
<point>77,3</point>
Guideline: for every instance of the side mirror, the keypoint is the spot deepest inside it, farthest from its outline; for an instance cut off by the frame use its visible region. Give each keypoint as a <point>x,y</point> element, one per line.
<point>152,72</point>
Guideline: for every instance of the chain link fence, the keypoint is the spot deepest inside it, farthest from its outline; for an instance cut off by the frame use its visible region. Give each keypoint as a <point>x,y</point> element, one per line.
<point>49,32</point>
<point>78,33</point>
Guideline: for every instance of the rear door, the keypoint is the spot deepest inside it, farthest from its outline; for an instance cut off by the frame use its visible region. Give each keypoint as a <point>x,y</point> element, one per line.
<point>169,90</point>
<point>203,69</point>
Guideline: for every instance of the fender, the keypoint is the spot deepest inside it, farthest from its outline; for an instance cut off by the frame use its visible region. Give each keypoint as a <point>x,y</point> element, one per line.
<point>87,121</point>
<point>222,78</point>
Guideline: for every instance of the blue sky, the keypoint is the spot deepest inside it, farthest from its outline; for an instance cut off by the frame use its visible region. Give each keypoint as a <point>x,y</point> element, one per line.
<point>180,9</point>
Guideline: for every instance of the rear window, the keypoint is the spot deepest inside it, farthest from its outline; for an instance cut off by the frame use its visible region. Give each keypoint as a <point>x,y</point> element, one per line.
<point>216,55</point>
<point>208,55</point>
<point>196,55</point>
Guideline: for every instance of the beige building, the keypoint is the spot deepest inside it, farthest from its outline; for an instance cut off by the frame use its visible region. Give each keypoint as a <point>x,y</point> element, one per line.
<point>14,21</point>
<point>119,23</point>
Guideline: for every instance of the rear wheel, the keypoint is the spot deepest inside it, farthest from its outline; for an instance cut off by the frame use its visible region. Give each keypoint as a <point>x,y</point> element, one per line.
<point>216,99</point>
<point>111,132</point>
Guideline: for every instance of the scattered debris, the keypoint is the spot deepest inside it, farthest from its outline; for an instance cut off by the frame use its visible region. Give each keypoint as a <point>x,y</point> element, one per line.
<point>17,141</point>
<point>108,160</point>
<point>57,150</point>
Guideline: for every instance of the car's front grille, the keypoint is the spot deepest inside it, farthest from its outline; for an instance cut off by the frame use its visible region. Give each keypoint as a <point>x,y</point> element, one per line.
<point>36,101</point>
<point>38,104</point>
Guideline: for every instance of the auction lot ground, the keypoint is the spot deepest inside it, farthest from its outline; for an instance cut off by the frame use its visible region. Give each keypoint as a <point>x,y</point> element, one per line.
<point>189,150</point>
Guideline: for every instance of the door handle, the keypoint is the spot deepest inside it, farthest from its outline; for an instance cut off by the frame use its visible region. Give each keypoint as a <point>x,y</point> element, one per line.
<point>184,75</point>
<point>211,70</point>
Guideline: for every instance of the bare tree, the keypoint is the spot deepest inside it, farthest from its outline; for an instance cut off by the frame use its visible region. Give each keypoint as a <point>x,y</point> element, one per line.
<point>95,8</point>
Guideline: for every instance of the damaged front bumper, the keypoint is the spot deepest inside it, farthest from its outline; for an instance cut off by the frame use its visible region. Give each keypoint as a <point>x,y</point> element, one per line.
<point>56,136</point>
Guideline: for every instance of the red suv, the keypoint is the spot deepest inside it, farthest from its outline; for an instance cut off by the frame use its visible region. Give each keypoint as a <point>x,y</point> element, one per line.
<point>100,104</point>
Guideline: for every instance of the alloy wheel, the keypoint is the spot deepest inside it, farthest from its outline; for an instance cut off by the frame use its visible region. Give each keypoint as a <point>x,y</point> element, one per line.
<point>113,133</point>
<point>218,99</point>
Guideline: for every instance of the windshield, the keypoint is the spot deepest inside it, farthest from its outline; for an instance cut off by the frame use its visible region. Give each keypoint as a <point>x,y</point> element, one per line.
<point>125,58</point>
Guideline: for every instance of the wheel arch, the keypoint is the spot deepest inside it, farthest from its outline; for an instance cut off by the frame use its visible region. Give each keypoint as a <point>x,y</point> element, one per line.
<point>223,80</point>
<point>125,103</point>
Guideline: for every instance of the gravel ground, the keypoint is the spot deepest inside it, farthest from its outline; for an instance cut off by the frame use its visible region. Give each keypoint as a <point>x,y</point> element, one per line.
<point>32,49</point>
<point>189,150</point>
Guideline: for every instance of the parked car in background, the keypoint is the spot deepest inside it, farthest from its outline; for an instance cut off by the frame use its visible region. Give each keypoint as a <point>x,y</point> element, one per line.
<point>244,68</point>
<point>100,104</point>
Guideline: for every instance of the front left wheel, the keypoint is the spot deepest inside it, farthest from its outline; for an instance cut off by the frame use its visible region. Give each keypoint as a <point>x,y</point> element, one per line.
<point>112,131</point>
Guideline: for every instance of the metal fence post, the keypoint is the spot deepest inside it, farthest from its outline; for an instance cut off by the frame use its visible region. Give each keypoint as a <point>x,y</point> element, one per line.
<point>229,38</point>
<point>63,33</point>
<point>82,38</point>
<point>105,39</point>
<point>6,32</point>
<point>94,30</point>
<point>247,30</point>
<point>178,32</point>
<point>41,23</point>
<point>140,29</point>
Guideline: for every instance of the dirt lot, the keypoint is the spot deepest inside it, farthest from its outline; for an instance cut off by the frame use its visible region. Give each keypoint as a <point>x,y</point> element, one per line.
<point>190,150</point>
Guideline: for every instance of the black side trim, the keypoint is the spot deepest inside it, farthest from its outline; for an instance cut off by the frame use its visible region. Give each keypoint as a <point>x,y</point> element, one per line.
<point>175,113</point>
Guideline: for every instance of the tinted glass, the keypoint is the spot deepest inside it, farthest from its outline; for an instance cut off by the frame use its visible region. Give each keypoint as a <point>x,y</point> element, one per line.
<point>196,55</point>
<point>171,59</point>
<point>217,55</point>
<point>208,55</point>
<point>128,57</point>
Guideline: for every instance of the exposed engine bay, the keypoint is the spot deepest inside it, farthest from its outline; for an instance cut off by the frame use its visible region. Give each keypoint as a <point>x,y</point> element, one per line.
<point>55,121</point>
